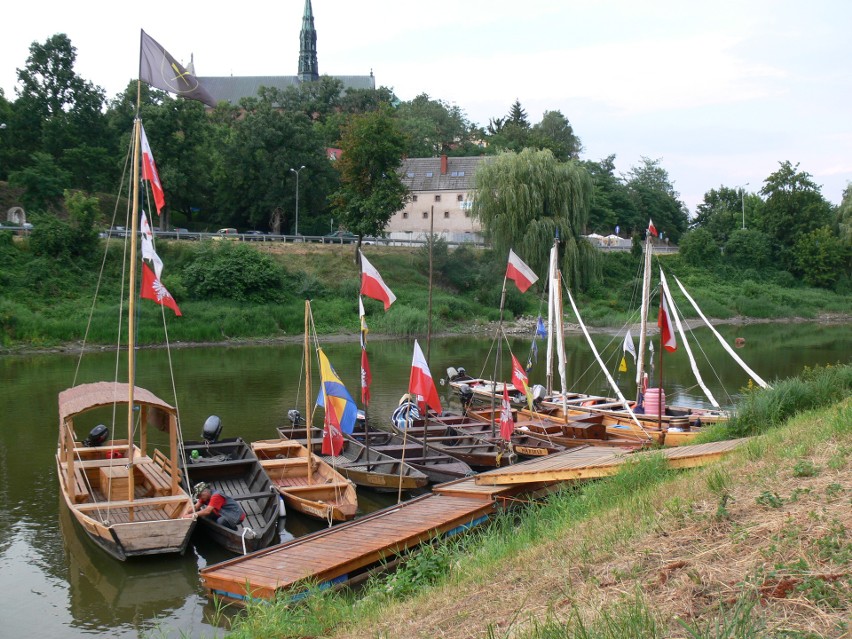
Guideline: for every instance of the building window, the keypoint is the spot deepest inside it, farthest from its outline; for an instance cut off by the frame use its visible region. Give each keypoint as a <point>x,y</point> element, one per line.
<point>446,215</point>
<point>429,174</point>
<point>413,198</point>
<point>425,215</point>
<point>405,215</point>
<point>460,198</point>
<point>410,174</point>
<point>437,198</point>
<point>457,174</point>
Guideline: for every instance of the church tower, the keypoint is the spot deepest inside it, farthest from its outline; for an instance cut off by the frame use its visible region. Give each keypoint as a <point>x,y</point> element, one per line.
<point>308,68</point>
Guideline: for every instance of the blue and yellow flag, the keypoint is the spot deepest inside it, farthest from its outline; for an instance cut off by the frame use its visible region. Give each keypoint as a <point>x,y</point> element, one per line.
<point>340,408</point>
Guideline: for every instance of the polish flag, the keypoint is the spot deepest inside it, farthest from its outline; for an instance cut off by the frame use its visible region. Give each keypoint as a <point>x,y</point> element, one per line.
<point>148,252</point>
<point>520,273</point>
<point>372,284</point>
<point>421,383</point>
<point>153,289</point>
<point>149,172</point>
<point>664,321</point>
<point>651,228</point>
<point>507,424</point>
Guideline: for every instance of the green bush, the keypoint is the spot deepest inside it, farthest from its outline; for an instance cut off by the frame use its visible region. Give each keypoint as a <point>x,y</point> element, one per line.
<point>699,248</point>
<point>747,248</point>
<point>232,270</point>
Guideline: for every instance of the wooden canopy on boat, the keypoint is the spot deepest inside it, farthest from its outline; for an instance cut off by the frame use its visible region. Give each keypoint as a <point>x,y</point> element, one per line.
<point>78,399</point>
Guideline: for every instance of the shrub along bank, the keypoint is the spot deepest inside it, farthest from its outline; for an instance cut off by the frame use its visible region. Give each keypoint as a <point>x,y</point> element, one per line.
<point>241,291</point>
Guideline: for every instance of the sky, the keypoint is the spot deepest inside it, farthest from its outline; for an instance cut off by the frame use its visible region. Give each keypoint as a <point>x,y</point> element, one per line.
<point>720,92</point>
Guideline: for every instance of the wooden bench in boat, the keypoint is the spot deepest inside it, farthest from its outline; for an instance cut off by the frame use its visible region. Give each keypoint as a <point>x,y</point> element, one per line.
<point>174,500</point>
<point>312,487</point>
<point>81,486</point>
<point>156,477</point>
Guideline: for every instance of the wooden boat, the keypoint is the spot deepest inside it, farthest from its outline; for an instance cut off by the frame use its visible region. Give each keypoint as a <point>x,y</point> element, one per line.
<point>364,466</point>
<point>130,504</point>
<point>440,433</point>
<point>438,466</point>
<point>230,467</point>
<point>309,485</point>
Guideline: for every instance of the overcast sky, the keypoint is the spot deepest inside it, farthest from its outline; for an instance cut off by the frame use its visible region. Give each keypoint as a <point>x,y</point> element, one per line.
<point>721,91</point>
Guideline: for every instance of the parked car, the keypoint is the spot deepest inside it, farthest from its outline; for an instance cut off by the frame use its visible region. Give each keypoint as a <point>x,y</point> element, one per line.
<point>255,236</point>
<point>227,234</point>
<point>340,237</point>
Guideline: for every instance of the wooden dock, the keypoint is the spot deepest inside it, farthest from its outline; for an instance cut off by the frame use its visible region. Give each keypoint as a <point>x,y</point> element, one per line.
<point>350,551</point>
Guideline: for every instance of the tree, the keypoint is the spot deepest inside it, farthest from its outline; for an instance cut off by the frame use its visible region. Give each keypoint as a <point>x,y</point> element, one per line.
<point>819,257</point>
<point>794,207</point>
<point>432,127</point>
<point>654,198</point>
<point>611,202</point>
<point>748,248</point>
<point>699,248</point>
<point>555,132</point>
<point>512,133</point>
<point>719,213</point>
<point>69,241</point>
<point>43,183</point>
<point>523,199</point>
<point>371,189</point>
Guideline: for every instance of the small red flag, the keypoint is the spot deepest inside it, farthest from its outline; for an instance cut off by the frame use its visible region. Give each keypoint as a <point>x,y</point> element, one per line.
<point>372,284</point>
<point>507,424</point>
<point>651,228</point>
<point>421,383</point>
<point>520,273</point>
<point>153,289</point>
<point>664,321</point>
<point>332,437</point>
<point>149,172</point>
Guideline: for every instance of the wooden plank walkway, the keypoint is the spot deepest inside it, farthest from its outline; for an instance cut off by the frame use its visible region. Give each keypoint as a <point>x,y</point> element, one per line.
<point>339,553</point>
<point>593,462</point>
<point>350,550</point>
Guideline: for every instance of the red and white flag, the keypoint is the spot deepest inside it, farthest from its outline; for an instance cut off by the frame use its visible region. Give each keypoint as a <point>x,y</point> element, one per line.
<point>421,383</point>
<point>372,284</point>
<point>507,424</point>
<point>664,321</point>
<point>148,252</point>
<point>651,228</point>
<point>520,380</point>
<point>332,438</point>
<point>520,273</point>
<point>153,289</point>
<point>149,172</point>
<point>366,376</point>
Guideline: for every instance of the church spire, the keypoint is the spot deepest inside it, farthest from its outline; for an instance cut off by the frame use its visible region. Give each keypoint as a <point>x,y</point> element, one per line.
<point>308,69</point>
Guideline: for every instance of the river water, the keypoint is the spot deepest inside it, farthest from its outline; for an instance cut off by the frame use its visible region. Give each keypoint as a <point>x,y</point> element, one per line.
<point>54,583</point>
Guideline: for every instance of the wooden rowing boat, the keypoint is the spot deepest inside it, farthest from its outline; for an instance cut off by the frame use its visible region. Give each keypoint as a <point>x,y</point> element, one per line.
<point>309,485</point>
<point>128,503</point>
<point>367,467</point>
<point>230,467</point>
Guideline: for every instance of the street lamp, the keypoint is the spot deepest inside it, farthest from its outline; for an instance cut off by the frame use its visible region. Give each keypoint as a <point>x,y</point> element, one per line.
<point>296,171</point>
<point>742,198</point>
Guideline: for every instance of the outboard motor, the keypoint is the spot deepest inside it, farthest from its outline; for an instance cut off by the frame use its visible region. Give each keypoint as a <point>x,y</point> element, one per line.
<point>538,392</point>
<point>465,396</point>
<point>212,429</point>
<point>456,374</point>
<point>97,436</point>
<point>294,416</point>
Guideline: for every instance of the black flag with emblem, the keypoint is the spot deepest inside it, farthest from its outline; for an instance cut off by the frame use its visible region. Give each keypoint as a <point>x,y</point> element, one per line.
<point>158,68</point>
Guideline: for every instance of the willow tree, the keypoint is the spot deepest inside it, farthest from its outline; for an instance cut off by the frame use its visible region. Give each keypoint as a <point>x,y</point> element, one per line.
<point>523,200</point>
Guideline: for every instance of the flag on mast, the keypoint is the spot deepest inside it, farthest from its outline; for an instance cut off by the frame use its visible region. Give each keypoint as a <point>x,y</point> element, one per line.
<point>421,385</point>
<point>149,172</point>
<point>651,228</point>
<point>628,346</point>
<point>153,289</point>
<point>373,286</point>
<point>148,252</point>
<point>158,68</point>
<point>664,321</point>
<point>520,380</point>
<point>507,424</point>
<point>340,409</point>
<point>366,376</point>
<point>521,274</point>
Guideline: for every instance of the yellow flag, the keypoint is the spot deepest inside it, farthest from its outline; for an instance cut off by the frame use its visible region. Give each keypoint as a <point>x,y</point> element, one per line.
<point>622,368</point>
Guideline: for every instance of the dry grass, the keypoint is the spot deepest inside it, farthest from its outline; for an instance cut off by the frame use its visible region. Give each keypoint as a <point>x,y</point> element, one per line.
<point>757,524</point>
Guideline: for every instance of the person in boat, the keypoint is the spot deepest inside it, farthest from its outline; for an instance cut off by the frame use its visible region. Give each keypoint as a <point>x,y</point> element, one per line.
<point>217,506</point>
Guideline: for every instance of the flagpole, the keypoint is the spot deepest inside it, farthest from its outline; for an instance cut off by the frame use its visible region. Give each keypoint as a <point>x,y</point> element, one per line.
<point>660,390</point>
<point>363,380</point>
<point>646,288</point>
<point>308,420</point>
<point>498,337</point>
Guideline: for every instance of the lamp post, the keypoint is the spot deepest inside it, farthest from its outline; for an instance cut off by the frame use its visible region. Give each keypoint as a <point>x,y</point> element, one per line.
<point>742,199</point>
<point>296,171</point>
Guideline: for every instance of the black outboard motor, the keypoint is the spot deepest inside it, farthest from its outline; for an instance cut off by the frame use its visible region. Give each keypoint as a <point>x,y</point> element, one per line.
<point>465,396</point>
<point>97,436</point>
<point>294,416</point>
<point>212,429</point>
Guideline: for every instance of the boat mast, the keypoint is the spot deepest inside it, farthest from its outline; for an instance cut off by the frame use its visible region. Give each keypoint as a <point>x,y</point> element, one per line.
<point>551,314</point>
<point>646,298</point>
<point>131,308</point>
<point>499,338</point>
<point>308,420</point>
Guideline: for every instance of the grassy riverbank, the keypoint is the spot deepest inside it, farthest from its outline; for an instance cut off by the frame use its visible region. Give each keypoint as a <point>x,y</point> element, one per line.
<point>757,545</point>
<point>231,291</point>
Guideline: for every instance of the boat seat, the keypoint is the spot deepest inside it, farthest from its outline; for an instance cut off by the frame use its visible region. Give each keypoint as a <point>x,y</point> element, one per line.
<point>159,480</point>
<point>81,486</point>
<point>332,484</point>
<point>284,462</point>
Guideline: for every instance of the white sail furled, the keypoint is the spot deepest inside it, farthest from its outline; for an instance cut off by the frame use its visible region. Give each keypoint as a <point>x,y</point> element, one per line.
<point>551,313</point>
<point>722,341</point>
<point>665,291</point>
<point>646,295</point>
<point>612,383</point>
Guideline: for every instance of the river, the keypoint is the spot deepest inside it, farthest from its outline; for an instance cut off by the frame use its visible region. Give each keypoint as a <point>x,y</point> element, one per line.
<point>56,584</point>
